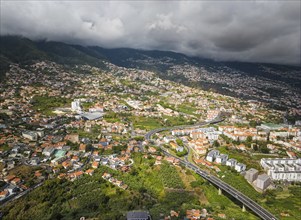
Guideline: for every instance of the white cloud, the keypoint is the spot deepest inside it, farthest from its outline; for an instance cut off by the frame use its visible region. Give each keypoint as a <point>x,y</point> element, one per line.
<point>263,31</point>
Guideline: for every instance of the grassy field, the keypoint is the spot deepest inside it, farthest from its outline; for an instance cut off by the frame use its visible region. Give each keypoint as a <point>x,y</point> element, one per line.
<point>46,104</point>
<point>187,108</point>
<point>285,200</point>
<point>146,123</point>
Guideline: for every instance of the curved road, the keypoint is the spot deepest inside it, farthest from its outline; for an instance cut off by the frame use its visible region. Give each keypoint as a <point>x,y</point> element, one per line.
<point>256,208</point>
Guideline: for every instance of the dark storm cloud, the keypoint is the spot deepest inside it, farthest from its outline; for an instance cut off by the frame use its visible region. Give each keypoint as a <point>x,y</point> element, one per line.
<point>261,31</point>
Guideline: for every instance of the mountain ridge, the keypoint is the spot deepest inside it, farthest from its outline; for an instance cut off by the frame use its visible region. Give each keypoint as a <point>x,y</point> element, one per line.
<point>192,71</point>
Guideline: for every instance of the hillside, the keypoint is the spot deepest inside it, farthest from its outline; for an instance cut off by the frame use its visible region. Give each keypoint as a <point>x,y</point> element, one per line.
<point>266,82</point>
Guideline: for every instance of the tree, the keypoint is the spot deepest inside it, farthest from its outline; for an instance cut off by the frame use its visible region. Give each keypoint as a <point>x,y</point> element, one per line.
<point>253,123</point>
<point>255,147</point>
<point>249,139</point>
<point>179,142</point>
<point>216,143</point>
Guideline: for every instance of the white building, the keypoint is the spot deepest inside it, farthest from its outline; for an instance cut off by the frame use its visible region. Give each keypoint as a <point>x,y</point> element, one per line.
<point>263,181</point>
<point>221,159</point>
<point>282,168</point>
<point>212,155</point>
<point>134,104</point>
<point>31,135</point>
<point>231,162</point>
<point>75,105</point>
<point>168,139</point>
<point>239,167</point>
<point>48,151</point>
<point>251,175</point>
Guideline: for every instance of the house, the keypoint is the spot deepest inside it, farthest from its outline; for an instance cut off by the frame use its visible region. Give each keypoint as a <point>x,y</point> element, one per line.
<point>138,215</point>
<point>118,183</point>
<point>174,213</point>
<point>212,155</point>
<point>4,194</point>
<point>193,214</point>
<point>16,181</point>
<point>169,159</point>
<point>48,151</point>
<point>89,172</point>
<point>77,175</point>
<point>221,215</point>
<point>82,147</point>
<point>95,164</point>
<point>66,164</point>
<point>106,176</point>
<point>97,158</point>
<point>231,162</point>
<point>173,145</point>
<point>31,135</point>
<point>251,175</point>
<point>239,167</point>
<point>35,161</point>
<point>200,150</point>
<point>74,138</point>
<point>152,150</point>
<point>104,161</point>
<point>75,158</point>
<point>158,160</point>
<point>9,178</point>
<point>221,159</point>
<point>263,181</point>
<point>168,139</point>
<point>10,165</point>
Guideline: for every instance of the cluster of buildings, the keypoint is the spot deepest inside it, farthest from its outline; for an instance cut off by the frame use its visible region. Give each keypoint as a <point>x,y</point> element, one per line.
<point>215,156</point>
<point>209,133</point>
<point>212,114</point>
<point>52,152</point>
<point>122,162</point>
<point>286,136</point>
<point>284,169</point>
<point>114,181</point>
<point>198,139</point>
<point>239,83</point>
<point>241,134</point>
<point>12,185</point>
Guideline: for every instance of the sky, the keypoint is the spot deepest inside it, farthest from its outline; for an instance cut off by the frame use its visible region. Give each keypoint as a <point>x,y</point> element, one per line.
<point>249,30</point>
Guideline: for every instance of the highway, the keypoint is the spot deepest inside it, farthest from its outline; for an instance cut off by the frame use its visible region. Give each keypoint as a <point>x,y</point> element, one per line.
<point>246,201</point>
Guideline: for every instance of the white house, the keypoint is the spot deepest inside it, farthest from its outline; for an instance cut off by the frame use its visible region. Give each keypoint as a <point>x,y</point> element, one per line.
<point>212,155</point>
<point>222,158</point>
<point>239,167</point>
<point>231,162</point>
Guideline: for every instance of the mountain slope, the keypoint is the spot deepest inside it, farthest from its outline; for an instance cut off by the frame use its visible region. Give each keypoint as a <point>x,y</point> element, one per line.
<point>268,82</point>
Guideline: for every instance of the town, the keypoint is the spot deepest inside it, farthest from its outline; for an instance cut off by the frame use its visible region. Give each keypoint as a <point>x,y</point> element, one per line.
<point>85,122</point>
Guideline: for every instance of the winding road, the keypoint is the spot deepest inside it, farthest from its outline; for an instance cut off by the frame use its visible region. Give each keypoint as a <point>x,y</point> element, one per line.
<point>246,201</point>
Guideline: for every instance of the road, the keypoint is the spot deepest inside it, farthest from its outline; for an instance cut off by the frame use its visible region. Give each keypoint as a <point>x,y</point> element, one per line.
<point>21,194</point>
<point>246,201</point>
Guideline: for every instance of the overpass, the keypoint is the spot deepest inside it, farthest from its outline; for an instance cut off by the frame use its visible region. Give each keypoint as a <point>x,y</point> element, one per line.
<point>246,201</point>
